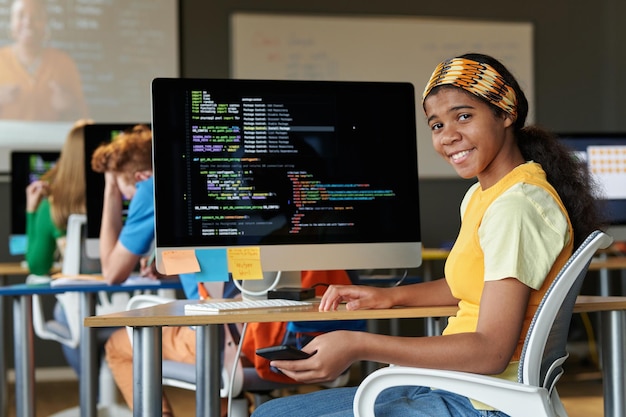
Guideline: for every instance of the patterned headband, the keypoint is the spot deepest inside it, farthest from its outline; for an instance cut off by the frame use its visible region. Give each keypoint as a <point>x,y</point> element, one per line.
<point>477,78</point>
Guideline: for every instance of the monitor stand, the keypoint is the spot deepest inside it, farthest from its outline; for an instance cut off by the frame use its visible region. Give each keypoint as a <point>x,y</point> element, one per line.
<point>256,289</point>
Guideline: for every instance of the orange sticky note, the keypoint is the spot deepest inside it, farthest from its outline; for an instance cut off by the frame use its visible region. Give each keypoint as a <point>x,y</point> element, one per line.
<point>245,263</point>
<point>180,261</point>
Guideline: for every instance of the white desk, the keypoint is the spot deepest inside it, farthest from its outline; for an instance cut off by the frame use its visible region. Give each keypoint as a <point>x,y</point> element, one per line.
<point>149,321</point>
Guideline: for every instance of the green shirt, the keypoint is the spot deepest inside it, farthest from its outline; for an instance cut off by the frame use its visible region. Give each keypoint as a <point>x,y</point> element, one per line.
<point>42,236</point>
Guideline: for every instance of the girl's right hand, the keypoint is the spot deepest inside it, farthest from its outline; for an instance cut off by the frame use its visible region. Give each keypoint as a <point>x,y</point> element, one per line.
<point>356,297</point>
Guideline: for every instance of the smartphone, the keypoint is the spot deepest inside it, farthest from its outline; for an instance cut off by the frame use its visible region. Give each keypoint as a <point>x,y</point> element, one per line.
<point>282,352</point>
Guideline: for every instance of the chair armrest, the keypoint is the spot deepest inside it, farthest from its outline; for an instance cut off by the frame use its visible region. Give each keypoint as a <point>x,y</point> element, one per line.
<point>514,399</point>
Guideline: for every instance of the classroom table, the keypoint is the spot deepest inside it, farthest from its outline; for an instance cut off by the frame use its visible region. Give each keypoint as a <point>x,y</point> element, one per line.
<point>608,262</point>
<point>148,322</point>
<point>24,338</point>
<point>604,262</point>
<point>7,269</point>
<point>12,268</point>
<point>614,349</point>
<point>432,325</point>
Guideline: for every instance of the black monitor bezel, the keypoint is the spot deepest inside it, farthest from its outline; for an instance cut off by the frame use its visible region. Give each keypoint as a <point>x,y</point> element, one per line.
<point>20,171</point>
<point>168,119</point>
<point>97,134</point>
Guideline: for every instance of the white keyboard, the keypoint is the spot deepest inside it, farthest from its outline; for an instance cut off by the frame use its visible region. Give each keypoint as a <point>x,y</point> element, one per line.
<point>215,307</point>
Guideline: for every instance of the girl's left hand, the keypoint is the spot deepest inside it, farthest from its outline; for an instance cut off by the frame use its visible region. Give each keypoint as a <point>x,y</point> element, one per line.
<point>332,358</point>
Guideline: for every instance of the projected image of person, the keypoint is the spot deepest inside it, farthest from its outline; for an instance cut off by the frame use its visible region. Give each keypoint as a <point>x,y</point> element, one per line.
<point>37,82</point>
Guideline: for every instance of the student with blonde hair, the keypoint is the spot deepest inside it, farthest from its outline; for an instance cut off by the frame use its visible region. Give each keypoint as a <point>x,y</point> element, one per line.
<point>50,201</point>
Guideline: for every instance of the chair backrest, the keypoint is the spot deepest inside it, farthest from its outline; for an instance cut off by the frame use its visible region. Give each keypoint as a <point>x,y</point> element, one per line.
<point>74,259</point>
<point>67,334</point>
<point>544,349</point>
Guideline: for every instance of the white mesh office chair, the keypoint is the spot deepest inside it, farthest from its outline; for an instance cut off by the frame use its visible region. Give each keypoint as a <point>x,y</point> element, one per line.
<point>540,367</point>
<point>73,264</point>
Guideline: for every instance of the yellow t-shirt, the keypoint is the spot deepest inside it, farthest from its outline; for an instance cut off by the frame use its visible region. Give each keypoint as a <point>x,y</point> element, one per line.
<point>517,228</point>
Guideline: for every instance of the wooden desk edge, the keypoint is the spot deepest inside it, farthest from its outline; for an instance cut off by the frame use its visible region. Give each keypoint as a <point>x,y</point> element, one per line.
<point>597,303</point>
<point>613,262</point>
<point>13,268</point>
<point>172,314</point>
<point>17,268</point>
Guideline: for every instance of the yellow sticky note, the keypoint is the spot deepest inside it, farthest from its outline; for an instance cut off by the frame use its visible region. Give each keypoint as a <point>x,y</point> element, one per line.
<point>180,261</point>
<point>245,263</point>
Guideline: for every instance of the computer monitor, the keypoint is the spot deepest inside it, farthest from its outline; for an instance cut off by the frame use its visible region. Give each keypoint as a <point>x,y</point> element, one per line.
<point>95,135</point>
<point>26,167</point>
<point>605,156</point>
<point>318,175</point>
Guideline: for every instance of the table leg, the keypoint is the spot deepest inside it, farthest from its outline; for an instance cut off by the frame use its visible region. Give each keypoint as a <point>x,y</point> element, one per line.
<point>88,375</point>
<point>24,356</point>
<point>4,393</point>
<point>431,324</point>
<point>605,284</point>
<point>613,362</point>
<point>147,371</point>
<point>208,370</point>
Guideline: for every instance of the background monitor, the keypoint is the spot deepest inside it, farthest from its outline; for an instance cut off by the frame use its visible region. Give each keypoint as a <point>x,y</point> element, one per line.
<point>605,156</point>
<point>319,175</point>
<point>26,167</point>
<point>95,135</point>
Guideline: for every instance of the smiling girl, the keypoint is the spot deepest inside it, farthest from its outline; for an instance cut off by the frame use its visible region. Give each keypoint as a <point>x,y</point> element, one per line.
<point>529,209</point>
